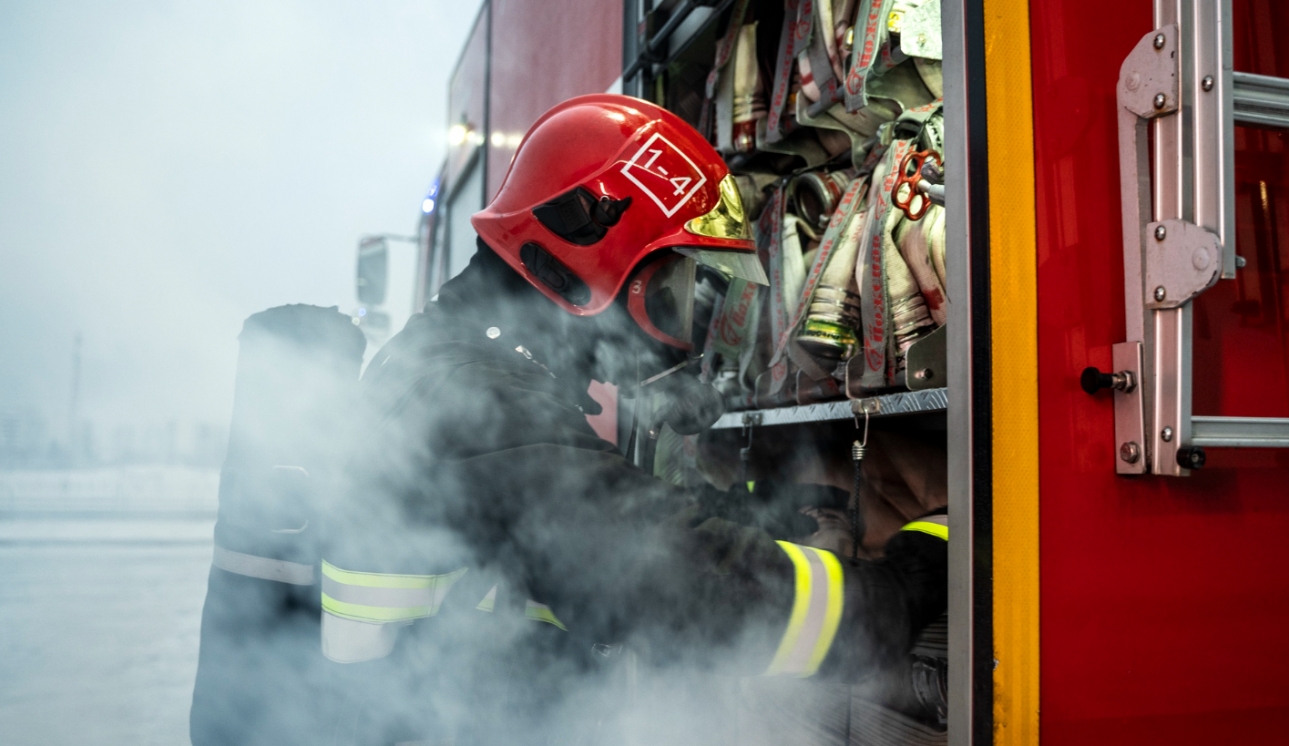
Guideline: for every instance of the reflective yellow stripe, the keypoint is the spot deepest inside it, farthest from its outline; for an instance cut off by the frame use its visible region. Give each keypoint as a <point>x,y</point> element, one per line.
<point>832,616</point>
<point>927,527</point>
<point>816,612</point>
<point>800,605</point>
<point>533,611</point>
<point>542,613</point>
<point>361,613</point>
<point>383,597</point>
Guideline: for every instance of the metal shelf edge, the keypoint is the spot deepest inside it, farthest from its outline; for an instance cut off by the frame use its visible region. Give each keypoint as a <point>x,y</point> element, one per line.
<point>884,405</point>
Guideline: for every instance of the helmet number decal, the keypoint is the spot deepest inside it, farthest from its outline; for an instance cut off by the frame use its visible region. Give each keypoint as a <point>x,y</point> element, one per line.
<point>665,174</point>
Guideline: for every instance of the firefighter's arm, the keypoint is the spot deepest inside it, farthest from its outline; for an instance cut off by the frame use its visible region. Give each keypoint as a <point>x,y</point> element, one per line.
<point>812,612</point>
<point>888,602</point>
<point>617,554</point>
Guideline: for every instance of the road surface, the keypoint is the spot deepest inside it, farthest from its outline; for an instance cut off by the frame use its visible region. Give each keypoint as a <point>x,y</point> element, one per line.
<point>99,621</point>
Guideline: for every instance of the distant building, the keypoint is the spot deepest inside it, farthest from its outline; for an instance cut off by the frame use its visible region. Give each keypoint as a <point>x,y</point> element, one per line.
<point>25,440</point>
<point>27,443</point>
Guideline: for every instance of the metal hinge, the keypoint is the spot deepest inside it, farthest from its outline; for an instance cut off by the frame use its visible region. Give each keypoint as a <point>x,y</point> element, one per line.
<point>1180,260</point>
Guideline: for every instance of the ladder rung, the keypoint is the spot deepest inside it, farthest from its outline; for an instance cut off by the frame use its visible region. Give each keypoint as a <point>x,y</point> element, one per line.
<point>1261,100</point>
<point>1240,432</point>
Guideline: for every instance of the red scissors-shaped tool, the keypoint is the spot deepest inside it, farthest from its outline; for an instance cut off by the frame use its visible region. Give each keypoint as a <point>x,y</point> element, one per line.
<point>907,193</point>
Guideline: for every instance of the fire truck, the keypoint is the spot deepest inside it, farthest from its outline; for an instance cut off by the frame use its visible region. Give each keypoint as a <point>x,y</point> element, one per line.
<point>1102,389</point>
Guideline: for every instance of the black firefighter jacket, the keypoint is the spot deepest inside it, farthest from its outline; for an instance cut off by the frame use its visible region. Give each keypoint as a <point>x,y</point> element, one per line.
<point>536,550</point>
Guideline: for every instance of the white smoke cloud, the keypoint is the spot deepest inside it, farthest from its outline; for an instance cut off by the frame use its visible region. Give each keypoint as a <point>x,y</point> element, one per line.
<point>167,169</point>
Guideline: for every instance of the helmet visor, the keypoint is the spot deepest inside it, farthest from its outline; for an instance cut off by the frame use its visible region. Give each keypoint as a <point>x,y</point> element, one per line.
<point>742,265</point>
<point>727,219</point>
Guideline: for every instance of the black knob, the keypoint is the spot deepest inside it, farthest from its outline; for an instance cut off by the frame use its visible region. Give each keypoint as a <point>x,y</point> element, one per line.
<point>1191,457</point>
<point>1094,380</point>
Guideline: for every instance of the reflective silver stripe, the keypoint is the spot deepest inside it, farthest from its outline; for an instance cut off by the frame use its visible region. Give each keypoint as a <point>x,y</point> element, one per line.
<point>262,568</point>
<point>799,660</point>
<point>388,597</point>
<point>816,611</point>
<point>351,641</point>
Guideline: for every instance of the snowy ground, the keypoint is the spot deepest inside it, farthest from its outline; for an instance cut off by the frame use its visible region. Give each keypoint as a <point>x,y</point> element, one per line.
<point>102,577</point>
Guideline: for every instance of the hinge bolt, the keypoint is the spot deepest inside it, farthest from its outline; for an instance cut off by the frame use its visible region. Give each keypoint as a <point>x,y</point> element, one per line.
<point>1129,453</point>
<point>1160,293</point>
<point>1160,232</point>
<point>1240,261</point>
<point>1207,83</point>
<point>1160,100</point>
<point>1167,435</point>
<point>1159,41</point>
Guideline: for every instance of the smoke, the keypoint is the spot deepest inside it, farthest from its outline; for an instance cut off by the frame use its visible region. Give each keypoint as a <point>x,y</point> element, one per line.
<point>464,455</point>
<point>463,452</point>
<point>167,169</point>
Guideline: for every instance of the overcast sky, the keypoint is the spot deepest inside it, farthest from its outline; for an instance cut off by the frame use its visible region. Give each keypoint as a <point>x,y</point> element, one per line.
<point>168,168</point>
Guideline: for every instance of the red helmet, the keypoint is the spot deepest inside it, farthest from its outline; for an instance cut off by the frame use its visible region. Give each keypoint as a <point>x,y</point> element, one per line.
<point>601,182</point>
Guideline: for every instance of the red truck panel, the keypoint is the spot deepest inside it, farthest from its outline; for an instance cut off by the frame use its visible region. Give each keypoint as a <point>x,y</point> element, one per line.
<point>543,53</point>
<point>1165,602</point>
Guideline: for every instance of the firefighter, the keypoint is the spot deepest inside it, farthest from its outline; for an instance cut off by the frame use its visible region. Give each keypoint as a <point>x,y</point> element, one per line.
<point>492,540</point>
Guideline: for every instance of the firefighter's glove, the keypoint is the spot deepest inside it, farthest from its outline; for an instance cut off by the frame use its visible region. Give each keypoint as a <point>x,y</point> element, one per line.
<point>774,507</point>
<point>685,404</point>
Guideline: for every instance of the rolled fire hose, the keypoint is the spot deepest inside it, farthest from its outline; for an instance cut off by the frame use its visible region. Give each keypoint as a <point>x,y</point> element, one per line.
<point>910,318</point>
<point>830,331</point>
<point>741,100</point>
<point>749,96</point>
<point>818,62</point>
<point>794,266</point>
<point>936,218</point>
<point>913,242</point>
<point>813,197</point>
